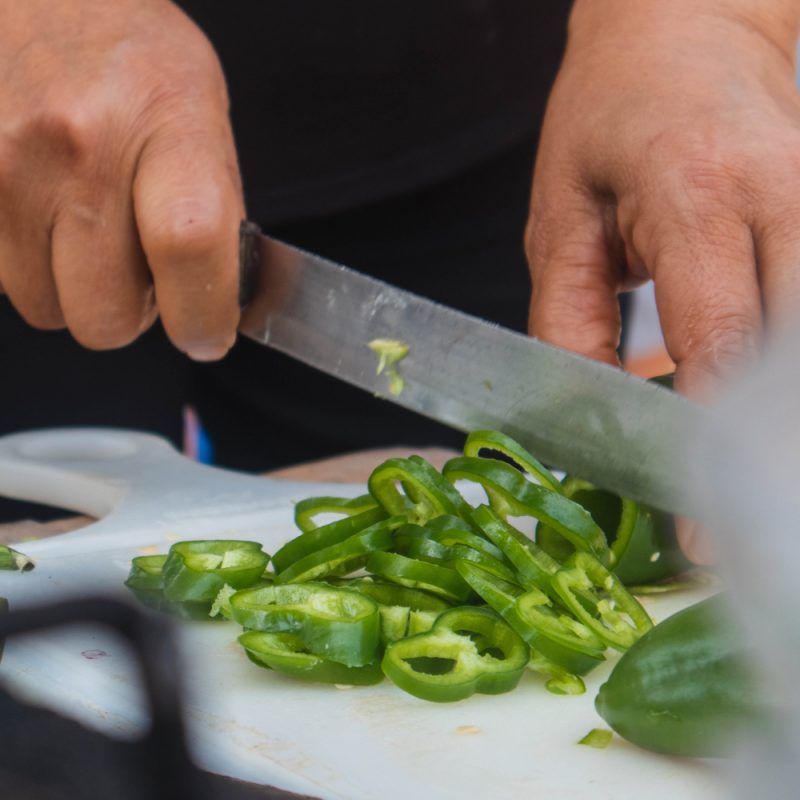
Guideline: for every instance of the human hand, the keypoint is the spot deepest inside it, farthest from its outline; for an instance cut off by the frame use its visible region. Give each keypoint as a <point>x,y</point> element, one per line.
<point>120,195</point>
<point>671,151</point>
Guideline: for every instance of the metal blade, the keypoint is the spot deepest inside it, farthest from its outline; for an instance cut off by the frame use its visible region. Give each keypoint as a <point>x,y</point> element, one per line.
<point>581,416</point>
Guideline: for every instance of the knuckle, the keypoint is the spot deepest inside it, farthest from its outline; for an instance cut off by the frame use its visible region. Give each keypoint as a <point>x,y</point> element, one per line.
<point>720,337</point>
<point>190,235</point>
<point>68,132</point>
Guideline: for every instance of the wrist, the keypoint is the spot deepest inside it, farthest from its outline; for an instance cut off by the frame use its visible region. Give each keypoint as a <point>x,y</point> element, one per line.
<point>621,22</point>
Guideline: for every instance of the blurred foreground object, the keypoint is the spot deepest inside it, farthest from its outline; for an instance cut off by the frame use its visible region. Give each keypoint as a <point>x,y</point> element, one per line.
<point>747,463</point>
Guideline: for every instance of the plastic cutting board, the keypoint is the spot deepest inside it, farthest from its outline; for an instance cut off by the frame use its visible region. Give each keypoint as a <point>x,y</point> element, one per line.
<point>374,742</point>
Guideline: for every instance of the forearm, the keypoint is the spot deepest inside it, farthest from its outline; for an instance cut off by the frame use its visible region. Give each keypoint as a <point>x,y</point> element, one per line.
<point>618,20</point>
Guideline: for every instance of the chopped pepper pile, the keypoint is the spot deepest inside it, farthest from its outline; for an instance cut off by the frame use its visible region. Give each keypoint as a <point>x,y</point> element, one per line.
<point>448,599</point>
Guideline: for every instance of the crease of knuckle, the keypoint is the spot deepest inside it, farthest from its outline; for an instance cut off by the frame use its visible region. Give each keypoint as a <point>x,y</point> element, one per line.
<point>710,236</point>
<point>189,236</point>
<point>719,336</point>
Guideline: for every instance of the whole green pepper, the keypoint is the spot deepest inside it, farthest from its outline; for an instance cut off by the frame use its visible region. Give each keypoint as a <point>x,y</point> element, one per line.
<point>685,688</point>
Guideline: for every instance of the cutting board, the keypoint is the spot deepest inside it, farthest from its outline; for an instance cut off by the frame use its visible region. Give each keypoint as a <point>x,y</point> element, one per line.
<point>365,743</point>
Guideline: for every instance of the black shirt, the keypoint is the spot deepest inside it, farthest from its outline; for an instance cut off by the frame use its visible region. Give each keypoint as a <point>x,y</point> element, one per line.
<point>339,102</point>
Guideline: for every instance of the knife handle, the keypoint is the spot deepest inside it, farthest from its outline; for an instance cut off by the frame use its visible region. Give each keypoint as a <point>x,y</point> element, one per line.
<point>249,259</point>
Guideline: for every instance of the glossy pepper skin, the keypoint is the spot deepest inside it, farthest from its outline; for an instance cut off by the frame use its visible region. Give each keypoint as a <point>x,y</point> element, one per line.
<point>685,688</point>
<point>336,624</point>
<point>468,650</point>
<point>288,654</point>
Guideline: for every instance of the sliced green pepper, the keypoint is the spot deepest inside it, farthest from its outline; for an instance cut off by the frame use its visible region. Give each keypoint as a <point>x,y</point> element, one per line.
<point>393,594</point>
<point>562,640</point>
<point>287,653</point>
<point>339,624</point>
<point>441,581</point>
<point>477,441</point>
<point>451,530</point>
<point>426,493</point>
<point>196,571</point>
<point>535,568</point>
<point>325,536</point>
<point>344,557</point>
<point>404,611</point>
<point>305,511</point>
<point>644,547</point>
<point>511,494</point>
<point>618,620</point>
<point>468,650</point>
<point>146,579</point>
<point>11,559</point>
<point>418,542</point>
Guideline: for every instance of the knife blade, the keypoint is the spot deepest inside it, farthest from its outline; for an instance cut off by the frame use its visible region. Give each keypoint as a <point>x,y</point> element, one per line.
<point>586,418</point>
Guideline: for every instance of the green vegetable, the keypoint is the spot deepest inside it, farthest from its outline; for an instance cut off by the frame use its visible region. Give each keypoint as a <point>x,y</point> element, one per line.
<point>196,571</point>
<point>306,510</point>
<point>554,606</point>
<point>344,557</point>
<point>426,493</point>
<point>685,688</point>
<point>478,441</point>
<point>643,543</point>
<point>337,624</point>
<point>287,653</point>
<point>511,494</point>
<point>468,650</point>
<point>390,353</point>
<point>187,581</point>
<point>597,737</point>
<point>563,641</point>
<point>316,539</point>
<point>14,560</point>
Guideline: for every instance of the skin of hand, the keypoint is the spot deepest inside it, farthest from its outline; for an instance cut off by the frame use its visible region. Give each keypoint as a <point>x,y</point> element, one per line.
<point>671,151</point>
<point>120,195</point>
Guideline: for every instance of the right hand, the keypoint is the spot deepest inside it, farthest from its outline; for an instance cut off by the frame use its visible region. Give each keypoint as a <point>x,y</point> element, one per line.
<point>120,195</point>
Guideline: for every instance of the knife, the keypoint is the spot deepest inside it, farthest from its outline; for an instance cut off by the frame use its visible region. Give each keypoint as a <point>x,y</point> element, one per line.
<point>586,418</point>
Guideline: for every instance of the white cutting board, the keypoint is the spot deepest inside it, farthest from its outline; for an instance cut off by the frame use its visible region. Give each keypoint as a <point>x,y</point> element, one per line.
<point>374,742</point>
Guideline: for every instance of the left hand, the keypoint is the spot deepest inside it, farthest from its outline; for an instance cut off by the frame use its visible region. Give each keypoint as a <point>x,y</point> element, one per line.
<point>671,151</point>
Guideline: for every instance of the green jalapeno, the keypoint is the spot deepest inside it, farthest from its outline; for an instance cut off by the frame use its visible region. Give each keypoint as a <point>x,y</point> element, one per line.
<point>686,687</point>
<point>511,494</point>
<point>287,653</point>
<point>562,640</point>
<point>305,511</point>
<point>467,650</point>
<point>339,624</point>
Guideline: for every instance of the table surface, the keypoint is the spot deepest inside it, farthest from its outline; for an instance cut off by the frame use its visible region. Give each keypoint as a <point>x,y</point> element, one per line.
<point>346,468</point>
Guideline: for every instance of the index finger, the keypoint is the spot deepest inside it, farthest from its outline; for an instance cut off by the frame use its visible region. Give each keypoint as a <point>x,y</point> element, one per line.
<point>188,205</point>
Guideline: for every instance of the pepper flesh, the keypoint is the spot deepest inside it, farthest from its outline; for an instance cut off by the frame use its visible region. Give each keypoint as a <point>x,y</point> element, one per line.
<point>195,571</point>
